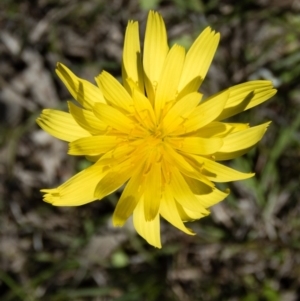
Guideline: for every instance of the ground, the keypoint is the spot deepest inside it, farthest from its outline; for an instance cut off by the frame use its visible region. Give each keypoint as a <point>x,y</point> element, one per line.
<point>247,249</point>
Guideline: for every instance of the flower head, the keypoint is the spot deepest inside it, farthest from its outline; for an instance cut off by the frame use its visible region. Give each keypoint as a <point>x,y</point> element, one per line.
<point>154,133</point>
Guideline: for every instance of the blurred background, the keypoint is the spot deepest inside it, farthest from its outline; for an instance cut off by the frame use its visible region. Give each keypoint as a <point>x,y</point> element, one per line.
<point>247,249</point>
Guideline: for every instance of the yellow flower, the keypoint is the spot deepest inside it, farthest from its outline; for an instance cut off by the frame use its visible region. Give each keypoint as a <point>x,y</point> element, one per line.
<point>154,132</point>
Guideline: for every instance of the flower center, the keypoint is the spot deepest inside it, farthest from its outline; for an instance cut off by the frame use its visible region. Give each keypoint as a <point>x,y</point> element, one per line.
<point>155,138</point>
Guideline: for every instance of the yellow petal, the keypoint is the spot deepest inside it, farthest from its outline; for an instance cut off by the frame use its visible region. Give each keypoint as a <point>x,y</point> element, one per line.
<point>87,120</point>
<point>191,87</point>
<point>206,112</point>
<point>114,92</point>
<point>236,127</point>
<point>129,198</point>
<point>117,155</point>
<point>61,125</point>
<point>169,78</point>
<point>83,91</point>
<point>243,139</point>
<point>220,129</point>
<point>155,51</point>
<point>199,57</point>
<point>144,110</point>
<point>183,193</point>
<point>247,95</point>
<point>169,212</point>
<point>219,173</point>
<point>187,215</point>
<point>114,179</point>
<point>196,145</point>
<point>173,158</point>
<point>212,198</point>
<point>207,196</point>
<point>132,65</point>
<point>220,156</point>
<point>149,230</point>
<point>180,112</point>
<point>113,118</point>
<point>153,191</point>
<point>92,146</point>
<point>78,190</point>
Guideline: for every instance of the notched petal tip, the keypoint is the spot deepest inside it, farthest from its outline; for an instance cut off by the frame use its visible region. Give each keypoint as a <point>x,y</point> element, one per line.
<point>83,91</point>
<point>199,57</point>
<point>60,125</point>
<point>50,195</point>
<point>155,51</point>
